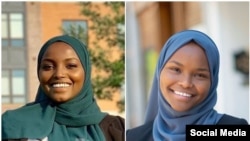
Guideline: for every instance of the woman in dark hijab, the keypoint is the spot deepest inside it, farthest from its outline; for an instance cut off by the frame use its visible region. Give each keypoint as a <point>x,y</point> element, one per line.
<point>184,89</point>
<point>64,109</point>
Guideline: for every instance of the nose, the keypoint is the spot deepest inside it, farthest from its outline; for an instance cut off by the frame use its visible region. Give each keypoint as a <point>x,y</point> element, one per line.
<point>186,81</point>
<point>59,72</point>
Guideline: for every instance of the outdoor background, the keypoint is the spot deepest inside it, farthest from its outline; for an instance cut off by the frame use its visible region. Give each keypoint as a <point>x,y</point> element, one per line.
<point>26,26</point>
<point>150,24</point>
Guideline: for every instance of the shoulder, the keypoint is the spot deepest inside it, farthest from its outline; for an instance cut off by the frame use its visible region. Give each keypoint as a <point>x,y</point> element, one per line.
<point>228,119</point>
<point>140,133</point>
<point>111,120</point>
<point>11,117</point>
<point>113,128</point>
<point>16,140</point>
<point>27,108</point>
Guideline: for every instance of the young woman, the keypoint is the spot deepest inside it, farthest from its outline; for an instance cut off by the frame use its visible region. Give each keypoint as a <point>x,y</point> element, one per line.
<point>184,89</point>
<point>65,109</point>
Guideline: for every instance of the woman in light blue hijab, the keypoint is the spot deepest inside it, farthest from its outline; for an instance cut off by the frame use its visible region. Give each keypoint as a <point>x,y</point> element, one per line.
<point>169,109</point>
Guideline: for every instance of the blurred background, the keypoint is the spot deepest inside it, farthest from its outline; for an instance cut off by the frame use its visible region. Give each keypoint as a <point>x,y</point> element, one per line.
<point>26,26</point>
<point>150,24</point>
<point>101,25</point>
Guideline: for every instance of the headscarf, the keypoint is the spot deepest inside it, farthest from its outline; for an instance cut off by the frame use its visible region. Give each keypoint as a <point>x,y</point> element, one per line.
<point>169,124</point>
<point>77,118</point>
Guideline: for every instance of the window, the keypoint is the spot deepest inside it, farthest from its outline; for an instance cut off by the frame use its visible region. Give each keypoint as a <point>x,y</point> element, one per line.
<point>13,86</point>
<point>76,28</point>
<point>14,63</point>
<point>5,86</point>
<point>12,30</point>
<point>4,30</point>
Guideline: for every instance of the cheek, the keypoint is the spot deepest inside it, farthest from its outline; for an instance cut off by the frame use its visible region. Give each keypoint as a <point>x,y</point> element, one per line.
<point>162,83</point>
<point>78,77</point>
<point>44,76</point>
<point>203,89</point>
<point>165,80</point>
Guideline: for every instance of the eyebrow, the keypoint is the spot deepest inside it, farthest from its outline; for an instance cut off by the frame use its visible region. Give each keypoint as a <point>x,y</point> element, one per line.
<point>175,62</point>
<point>67,59</point>
<point>179,64</point>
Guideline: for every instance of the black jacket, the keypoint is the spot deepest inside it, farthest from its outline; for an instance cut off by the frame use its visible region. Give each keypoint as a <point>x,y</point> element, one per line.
<point>144,132</point>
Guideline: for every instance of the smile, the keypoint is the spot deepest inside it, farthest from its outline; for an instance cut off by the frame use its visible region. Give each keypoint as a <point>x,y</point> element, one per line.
<point>60,85</point>
<point>182,94</point>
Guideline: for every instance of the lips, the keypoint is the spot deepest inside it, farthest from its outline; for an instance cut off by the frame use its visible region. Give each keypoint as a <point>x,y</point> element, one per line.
<point>183,94</point>
<point>60,85</point>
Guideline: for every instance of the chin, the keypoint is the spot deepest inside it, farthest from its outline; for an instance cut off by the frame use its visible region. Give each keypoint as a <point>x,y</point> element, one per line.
<point>59,100</point>
<point>181,109</point>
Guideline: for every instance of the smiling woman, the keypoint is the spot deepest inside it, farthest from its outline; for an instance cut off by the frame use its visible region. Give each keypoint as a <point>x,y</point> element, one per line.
<point>65,108</point>
<point>61,74</point>
<point>183,84</point>
<point>184,90</point>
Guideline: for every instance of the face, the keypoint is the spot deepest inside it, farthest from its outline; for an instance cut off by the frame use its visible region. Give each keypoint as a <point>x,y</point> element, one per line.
<point>185,78</point>
<point>61,74</point>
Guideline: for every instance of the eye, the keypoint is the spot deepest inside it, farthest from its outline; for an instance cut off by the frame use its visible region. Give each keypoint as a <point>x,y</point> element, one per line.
<point>175,69</point>
<point>200,75</point>
<point>71,66</point>
<point>47,67</point>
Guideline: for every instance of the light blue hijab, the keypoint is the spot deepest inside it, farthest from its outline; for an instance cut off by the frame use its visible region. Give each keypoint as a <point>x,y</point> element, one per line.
<point>169,124</point>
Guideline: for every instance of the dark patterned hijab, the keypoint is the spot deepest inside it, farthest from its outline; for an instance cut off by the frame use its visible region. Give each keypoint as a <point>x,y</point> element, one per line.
<point>77,119</point>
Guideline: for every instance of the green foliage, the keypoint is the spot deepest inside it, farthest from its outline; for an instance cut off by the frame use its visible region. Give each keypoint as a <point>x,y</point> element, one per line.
<point>108,29</point>
<point>76,31</point>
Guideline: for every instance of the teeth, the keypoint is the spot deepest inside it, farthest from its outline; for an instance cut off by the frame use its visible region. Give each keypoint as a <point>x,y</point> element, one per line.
<point>58,85</point>
<point>182,94</point>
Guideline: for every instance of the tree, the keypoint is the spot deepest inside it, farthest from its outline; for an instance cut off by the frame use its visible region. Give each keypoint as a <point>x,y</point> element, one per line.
<point>109,31</point>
